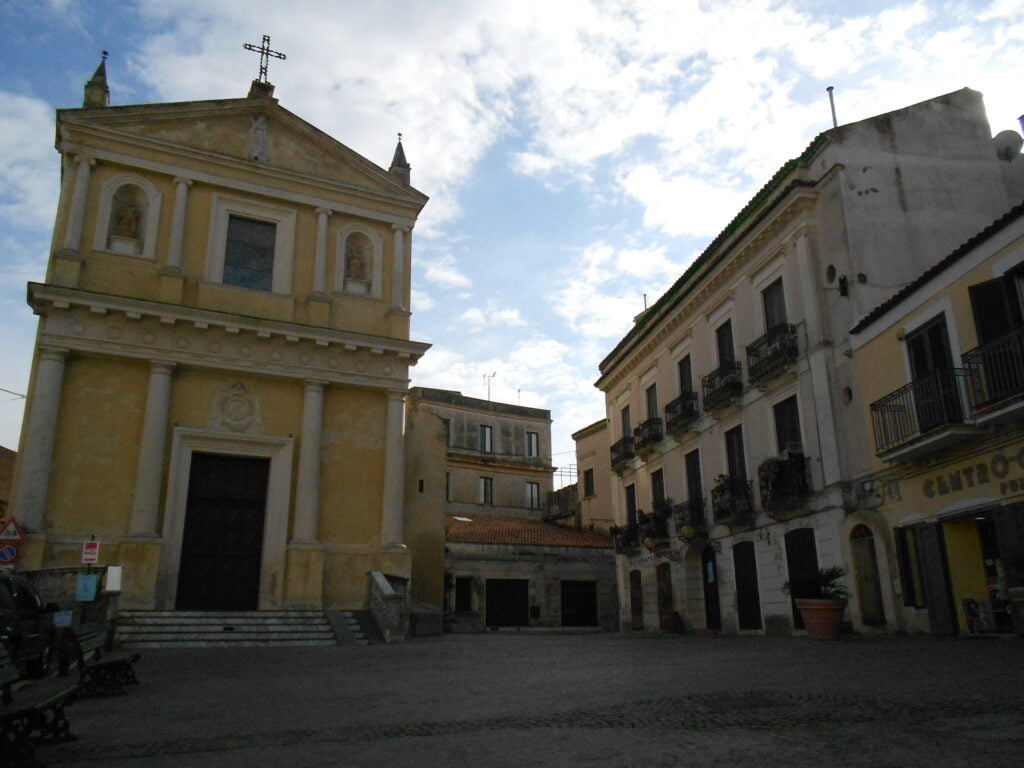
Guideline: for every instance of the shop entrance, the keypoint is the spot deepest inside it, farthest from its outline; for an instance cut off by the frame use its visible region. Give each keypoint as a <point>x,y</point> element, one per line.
<point>979,573</point>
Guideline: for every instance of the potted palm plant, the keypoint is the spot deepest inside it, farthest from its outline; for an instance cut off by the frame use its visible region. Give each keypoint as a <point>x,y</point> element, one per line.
<point>820,597</point>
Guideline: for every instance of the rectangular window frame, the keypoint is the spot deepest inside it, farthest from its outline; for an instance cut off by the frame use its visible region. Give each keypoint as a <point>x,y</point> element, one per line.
<point>588,483</point>
<point>533,444</point>
<point>463,594</point>
<point>486,438</point>
<point>532,494</point>
<point>486,487</point>
<point>225,206</point>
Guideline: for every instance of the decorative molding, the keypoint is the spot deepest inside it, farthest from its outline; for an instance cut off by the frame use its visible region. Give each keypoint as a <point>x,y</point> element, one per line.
<point>235,409</point>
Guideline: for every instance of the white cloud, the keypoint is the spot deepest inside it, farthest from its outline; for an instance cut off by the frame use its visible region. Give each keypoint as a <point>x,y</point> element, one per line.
<point>491,315</point>
<point>28,163</point>
<point>443,271</point>
<point>421,301</point>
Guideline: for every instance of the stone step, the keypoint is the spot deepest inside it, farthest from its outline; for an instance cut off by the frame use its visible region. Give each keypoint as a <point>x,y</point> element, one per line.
<point>159,621</point>
<point>156,629</point>
<point>208,642</point>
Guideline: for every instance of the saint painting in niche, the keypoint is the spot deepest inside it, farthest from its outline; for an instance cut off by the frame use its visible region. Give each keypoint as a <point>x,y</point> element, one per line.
<point>358,252</point>
<point>127,212</point>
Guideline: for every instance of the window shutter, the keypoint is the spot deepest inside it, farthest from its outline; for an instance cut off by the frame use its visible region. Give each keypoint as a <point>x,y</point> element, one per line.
<point>996,308</point>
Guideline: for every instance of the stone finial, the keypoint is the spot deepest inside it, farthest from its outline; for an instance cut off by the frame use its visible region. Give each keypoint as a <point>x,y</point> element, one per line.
<point>97,93</point>
<point>261,90</point>
<point>400,168</point>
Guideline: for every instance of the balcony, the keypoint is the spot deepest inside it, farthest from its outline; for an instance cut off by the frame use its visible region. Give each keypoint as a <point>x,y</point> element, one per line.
<point>722,385</point>
<point>784,483</point>
<point>647,436</point>
<point>732,502</point>
<point>654,527</point>
<point>625,538</point>
<point>772,353</point>
<point>997,384</point>
<point>681,413</point>
<point>924,416</point>
<point>691,522</point>
<point>622,453</point>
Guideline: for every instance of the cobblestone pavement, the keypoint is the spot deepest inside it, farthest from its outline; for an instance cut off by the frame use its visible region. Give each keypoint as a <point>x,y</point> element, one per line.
<point>567,700</point>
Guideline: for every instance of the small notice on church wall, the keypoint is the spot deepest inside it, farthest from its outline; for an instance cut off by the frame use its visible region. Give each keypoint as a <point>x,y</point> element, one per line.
<point>90,553</point>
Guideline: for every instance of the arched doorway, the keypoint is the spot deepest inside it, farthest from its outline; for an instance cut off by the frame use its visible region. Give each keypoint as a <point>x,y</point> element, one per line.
<point>636,600</point>
<point>667,618</point>
<point>709,578</point>
<point>865,575</point>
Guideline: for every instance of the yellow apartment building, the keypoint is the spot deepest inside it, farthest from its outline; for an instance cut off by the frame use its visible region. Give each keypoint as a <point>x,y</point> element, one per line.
<point>941,383</point>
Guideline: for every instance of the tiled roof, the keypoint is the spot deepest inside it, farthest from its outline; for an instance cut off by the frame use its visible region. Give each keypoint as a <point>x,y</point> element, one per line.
<point>480,529</point>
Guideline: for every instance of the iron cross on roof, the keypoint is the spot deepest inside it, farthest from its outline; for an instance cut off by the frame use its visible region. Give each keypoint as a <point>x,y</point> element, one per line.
<point>265,54</point>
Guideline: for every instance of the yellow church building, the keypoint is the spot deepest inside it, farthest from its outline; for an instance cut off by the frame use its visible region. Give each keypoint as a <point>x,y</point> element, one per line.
<point>223,352</point>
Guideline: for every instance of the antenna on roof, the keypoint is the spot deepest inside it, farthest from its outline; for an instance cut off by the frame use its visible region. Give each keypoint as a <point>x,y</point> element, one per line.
<point>832,103</point>
<point>487,380</point>
<point>645,302</point>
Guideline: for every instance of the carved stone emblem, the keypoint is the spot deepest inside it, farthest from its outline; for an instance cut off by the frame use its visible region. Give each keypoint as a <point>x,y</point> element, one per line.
<point>236,410</point>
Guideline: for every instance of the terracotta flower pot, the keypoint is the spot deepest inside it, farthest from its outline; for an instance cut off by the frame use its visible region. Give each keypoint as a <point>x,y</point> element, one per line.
<point>823,618</point>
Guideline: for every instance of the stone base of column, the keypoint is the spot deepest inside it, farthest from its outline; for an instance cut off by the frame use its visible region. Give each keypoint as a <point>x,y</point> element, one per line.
<point>319,309</point>
<point>140,558</point>
<point>67,267</point>
<point>172,285</point>
<point>304,582</point>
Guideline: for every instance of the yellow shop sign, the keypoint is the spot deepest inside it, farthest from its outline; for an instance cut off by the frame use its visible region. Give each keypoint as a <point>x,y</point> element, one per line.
<point>1003,469</point>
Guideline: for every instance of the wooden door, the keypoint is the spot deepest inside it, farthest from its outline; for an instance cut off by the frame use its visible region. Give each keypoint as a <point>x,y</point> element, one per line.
<point>865,576</point>
<point>636,600</point>
<point>709,577</point>
<point>666,609</point>
<point>222,545</point>
<point>748,596</point>
<point>801,562</point>
<point>508,602</point>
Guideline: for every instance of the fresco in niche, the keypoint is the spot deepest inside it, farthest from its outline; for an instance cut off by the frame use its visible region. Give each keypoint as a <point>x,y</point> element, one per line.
<point>127,220</point>
<point>358,256</point>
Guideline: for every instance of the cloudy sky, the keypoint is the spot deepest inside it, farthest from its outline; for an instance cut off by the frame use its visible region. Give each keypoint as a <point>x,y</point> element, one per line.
<point>578,154</point>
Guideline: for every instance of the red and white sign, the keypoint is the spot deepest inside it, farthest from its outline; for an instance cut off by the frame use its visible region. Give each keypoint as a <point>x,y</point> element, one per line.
<point>11,531</point>
<point>8,552</point>
<point>90,552</point>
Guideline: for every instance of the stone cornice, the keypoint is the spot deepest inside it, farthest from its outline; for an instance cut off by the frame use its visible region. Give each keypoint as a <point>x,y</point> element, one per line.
<point>113,325</point>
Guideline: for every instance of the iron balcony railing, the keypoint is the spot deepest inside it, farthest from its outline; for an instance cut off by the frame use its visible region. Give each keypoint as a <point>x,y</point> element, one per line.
<point>783,482</point>
<point>998,369</point>
<point>654,526</point>
<point>722,385</point>
<point>625,538</point>
<point>690,519</point>
<point>929,403</point>
<point>648,435</point>
<point>622,451</point>
<point>732,502</point>
<point>772,353</point>
<point>681,412</point>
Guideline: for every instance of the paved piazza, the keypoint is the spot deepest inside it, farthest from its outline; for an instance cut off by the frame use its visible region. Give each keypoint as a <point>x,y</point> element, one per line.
<point>512,699</point>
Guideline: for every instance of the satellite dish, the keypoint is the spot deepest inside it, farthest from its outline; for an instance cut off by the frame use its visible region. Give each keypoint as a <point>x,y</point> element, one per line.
<point>1008,144</point>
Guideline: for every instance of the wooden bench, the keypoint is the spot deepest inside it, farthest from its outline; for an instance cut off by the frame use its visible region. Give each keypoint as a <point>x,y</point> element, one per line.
<point>31,710</point>
<point>102,669</point>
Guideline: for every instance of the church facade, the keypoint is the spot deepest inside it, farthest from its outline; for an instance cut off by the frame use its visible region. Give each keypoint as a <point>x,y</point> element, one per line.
<point>217,391</point>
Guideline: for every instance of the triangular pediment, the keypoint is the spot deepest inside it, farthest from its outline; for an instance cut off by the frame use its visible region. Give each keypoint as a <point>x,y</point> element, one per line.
<point>249,130</point>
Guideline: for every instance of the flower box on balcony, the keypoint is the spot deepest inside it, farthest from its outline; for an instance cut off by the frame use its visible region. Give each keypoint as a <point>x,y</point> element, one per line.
<point>691,524</point>
<point>772,353</point>
<point>722,386</point>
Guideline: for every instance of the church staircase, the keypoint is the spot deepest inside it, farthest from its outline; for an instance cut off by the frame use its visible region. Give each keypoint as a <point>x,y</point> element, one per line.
<point>196,629</point>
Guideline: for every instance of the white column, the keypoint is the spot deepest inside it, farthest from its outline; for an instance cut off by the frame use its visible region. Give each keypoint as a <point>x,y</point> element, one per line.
<point>818,363</point>
<point>398,271</point>
<point>40,431</point>
<point>393,517</point>
<point>76,218</point>
<point>181,186</point>
<point>307,490</point>
<point>320,258</point>
<point>149,471</point>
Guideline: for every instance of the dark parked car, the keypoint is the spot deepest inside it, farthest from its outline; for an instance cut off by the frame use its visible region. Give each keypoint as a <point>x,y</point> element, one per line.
<point>26,626</point>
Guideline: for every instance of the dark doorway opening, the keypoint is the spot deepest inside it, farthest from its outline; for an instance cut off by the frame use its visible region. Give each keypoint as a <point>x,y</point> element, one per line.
<point>222,545</point>
<point>508,602</point>
<point>709,577</point>
<point>636,600</point>
<point>667,617</point>
<point>579,603</point>
<point>865,575</point>
<point>801,563</point>
<point>748,597</point>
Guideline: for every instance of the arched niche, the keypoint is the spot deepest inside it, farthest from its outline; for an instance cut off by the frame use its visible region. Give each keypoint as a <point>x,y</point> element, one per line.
<point>128,216</point>
<point>359,262</point>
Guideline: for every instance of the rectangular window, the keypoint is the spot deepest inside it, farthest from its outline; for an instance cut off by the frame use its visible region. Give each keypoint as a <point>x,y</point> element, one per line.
<point>997,307</point>
<point>464,594</point>
<point>532,444</point>
<point>486,490</point>
<point>486,444</point>
<point>533,495</point>
<point>694,486</point>
<point>657,488</point>
<point>249,253</point>
<point>447,431</point>
<point>723,339</point>
<point>588,483</point>
<point>787,426</point>
<point>910,568</point>
<point>685,375</point>
<point>447,486</point>
<point>627,425</point>
<point>773,299</point>
<point>734,453</point>
<point>631,518</point>
<point>652,401</point>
